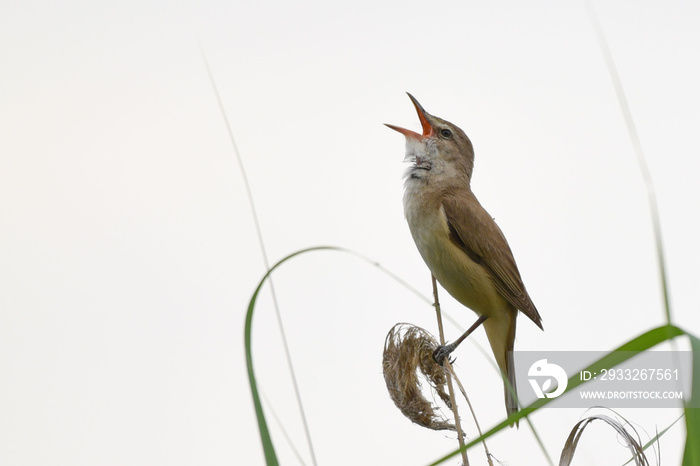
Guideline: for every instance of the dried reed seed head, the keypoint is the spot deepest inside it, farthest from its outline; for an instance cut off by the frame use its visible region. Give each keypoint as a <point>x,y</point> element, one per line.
<point>408,352</point>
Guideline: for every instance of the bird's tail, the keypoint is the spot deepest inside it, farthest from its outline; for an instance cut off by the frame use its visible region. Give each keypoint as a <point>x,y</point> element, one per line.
<point>509,388</point>
<point>501,335</point>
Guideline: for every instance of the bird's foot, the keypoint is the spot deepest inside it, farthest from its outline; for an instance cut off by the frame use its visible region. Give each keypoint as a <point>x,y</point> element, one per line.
<point>442,352</point>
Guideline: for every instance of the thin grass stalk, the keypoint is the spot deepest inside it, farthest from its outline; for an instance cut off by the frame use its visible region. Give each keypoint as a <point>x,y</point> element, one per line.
<point>539,441</point>
<point>655,441</point>
<point>282,429</point>
<point>263,250</point>
<point>453,398</point>
<point>451,371</point>
<point>265,438</point>
<point>639,152</point>
<point>486,355</point>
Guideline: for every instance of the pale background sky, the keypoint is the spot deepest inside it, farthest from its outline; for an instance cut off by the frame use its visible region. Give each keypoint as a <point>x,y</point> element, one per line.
<point>128,251</point>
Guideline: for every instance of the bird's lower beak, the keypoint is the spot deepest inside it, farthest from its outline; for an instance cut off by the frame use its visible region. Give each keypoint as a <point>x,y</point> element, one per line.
<point>427,127</point>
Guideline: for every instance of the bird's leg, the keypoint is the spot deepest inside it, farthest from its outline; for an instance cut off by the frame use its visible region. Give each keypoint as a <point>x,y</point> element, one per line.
<point>441,352</point>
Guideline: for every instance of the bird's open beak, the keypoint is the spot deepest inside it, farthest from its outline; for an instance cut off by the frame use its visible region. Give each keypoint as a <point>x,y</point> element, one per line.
<point>427,127</point>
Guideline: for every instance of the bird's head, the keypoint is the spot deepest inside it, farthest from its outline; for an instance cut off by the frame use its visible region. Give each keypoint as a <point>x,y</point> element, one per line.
<point>443,151</point>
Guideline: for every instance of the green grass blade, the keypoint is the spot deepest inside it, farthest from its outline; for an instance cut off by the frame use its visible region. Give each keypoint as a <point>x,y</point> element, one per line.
<point>691,455</point>
<point>643,342</point>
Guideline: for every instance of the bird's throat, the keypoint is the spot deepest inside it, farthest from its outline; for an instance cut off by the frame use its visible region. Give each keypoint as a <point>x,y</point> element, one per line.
<point>418,154</point>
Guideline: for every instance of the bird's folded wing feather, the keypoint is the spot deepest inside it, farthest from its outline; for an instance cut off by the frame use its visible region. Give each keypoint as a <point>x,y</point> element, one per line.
<point>488,248</point>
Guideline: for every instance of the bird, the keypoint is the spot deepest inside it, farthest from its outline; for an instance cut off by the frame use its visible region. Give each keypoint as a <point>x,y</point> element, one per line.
<point>460,242</point>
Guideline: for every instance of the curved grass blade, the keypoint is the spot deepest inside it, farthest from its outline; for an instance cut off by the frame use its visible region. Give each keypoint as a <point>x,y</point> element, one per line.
<point>268,447</point>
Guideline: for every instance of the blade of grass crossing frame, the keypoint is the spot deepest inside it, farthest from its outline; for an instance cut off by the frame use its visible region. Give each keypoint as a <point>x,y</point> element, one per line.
<point>643,342</point>
<point>691,455</point>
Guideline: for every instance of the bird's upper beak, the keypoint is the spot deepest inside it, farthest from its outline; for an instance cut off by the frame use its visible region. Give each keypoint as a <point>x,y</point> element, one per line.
<point>427,127</point>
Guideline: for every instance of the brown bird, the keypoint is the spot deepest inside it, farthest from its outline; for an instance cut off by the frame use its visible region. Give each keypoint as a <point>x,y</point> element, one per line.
<point>460,242</point>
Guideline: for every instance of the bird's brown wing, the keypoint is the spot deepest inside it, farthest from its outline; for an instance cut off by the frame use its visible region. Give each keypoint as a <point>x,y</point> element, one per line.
<point>488,248</point>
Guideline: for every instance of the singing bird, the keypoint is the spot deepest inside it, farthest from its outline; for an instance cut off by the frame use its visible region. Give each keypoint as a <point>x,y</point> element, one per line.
<point>460,242</point>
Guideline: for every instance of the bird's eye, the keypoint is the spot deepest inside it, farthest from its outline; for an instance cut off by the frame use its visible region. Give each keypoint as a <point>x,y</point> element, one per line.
<point>446,133</point>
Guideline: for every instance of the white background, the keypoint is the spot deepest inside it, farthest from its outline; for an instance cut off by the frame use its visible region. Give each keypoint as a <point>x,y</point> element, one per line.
<point>128,251</point>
